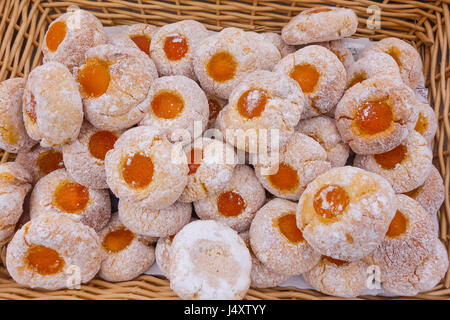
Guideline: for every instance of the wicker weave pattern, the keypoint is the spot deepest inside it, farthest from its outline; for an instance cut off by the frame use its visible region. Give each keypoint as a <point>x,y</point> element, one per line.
<point>425,24</point>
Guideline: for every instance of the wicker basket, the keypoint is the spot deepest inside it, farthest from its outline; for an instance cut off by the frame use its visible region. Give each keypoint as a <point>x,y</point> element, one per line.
<point>425,24</point>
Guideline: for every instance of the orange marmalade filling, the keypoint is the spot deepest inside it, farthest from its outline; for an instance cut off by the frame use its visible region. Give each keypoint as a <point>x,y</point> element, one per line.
<point>357,78</point>
<point>100,143</point>
<point>374,117</point>
<point>335,261</point>
<point>288,227</point>
<point>71,197</point>
<point>390,159</point>
<point>194,159</point>
<point>306,75</point>
<point>214,108</point>
<point>167,104</point>
<point>143,42</point>
<point>252,103</point>
<point>137,170</point>
<point>175,47</point>
<point>44,260</point>
<point>421,124</point>
<point>118,239</point>
<point>285,179</point>
<point>395,53</point>
<point>230,204</point>
<point>30,109</point>
<point>330,201</point>
<point>49,161</point>
<point>55,35</point>
<point>397,226</point>
<point>94,77</point>
<point>222,66</point>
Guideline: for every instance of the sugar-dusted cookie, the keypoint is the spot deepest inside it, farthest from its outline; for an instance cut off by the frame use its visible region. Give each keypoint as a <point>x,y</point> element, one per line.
<point>427,122</point>
<point>341,51</point>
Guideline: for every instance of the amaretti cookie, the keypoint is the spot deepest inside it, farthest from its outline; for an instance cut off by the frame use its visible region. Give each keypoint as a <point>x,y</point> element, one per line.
<point>209,261</point>
<point>58,193</point>
<point>52,107</point>
<point>173,45</point>
<point>144,167</point>
<point>406,167</point>
<point>376,115</point>
<point>278,243</point>
<point>70,36</point>
<point>237,204</point>
<point>13,136</point>
<point>276,40</point>
<point>176,105</point>
<point>126,255</point>
<point>300,161</point>
<point>114,83</point>
<point>320,24</point>
<point>345,212</point>
<point>323,129</point>
<point>319,73</point>
<point>406,56</point>
<point>222,60</point>
<point>341,51</point>
<point>427,122</point>
<point>262,102</point>
<point>48,251</point>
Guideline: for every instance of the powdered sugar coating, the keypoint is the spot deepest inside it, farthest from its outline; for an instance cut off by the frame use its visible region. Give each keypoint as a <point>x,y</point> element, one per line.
<point>154,223</point>
<point>310,26</point>
<point>82,166</point>
<point>83,31</point>
<point>410,62</point>
<point>331,83</point>
<point>399,97</point>
<point>430,119</point>
<point>132,73</point>
<point>361,226</point>
<point>15,183</point>
<point>76,243</point>
<point>124,39</point>
<point>193,33</point>
<point>250,50</point>
<point>304,155</point>
<point>214,171</point>
<point>341,51</point>
<point>244,183</point>
<point>347,280</point>
<point>411,172</point>
<point>51,95</point>
<point>96,213</point>
<point>128,263</point>
<point>273,248</point>
<point>13,136</point>
<point>278,42</point>
<point>195,108</point>
<point>282,111</point>
<point>209,261</point>
<point>170,168</point>
<point>162,254</point>
<point>261,276</point>
<point>323,129</point>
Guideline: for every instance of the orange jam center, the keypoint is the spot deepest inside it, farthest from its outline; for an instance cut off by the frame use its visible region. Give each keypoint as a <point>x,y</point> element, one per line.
<point>214,108</point>
<point>94,77</point>
<point>288,227</point>
<point>395,53</point>
<point>306,75</point>
<point>175,47</point>
<point>100,143</point>
<point>49,161</point>
<point>137,171</point>
<point>252,103</point>
<point>30,109</point>
<point>357,78</point>
<point>374,117</point>
<point>390,159</point>
<point>118,240</point>
<point>194,159</point>
<point>421,124</point>
<point>318,10</point>
<point>44,261</point>
<point>143,42</point>
<point>222,66</point>
<point>397,226</point>
<point>330,201</point>
<point>167,104</point>
<point>230,204</point>
<point>285,179</point>
<point>71,197</point>
<point>335,261</point>
<point>55,35</point>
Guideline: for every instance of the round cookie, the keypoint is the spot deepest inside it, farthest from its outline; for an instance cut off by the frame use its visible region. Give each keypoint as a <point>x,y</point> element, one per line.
<point>427,122</point>
<point>277,242</point>
<point>278,42</point>
<point>58,193</point>
<point>341,51</point>
<point>345,212</point>
<point>209,260</point>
